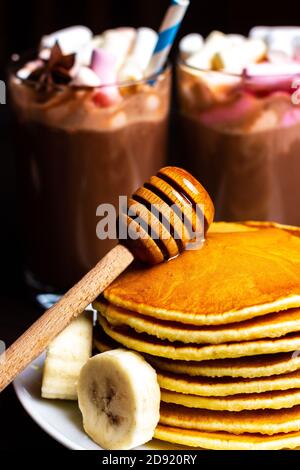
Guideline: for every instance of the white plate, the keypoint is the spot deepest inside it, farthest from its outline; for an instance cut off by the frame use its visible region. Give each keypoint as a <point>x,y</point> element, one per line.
<point>61,419</point>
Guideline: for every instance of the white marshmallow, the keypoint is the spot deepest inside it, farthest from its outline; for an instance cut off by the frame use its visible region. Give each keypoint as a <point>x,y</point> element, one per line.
<point>118,42</point>
<point>280,43</point>
<point>85,55</point>
<point>145,42</point>
<point>235,59</point>
<point>260,32</point>
<point>284,32</point>
<point>280,40</point>
<point>267,69</point>
<point>214,43</point>
<point>86,77</point>
<point>189,45</point>
<point>255,50</point>
<point>71,40</point>
<point>296,48</point>
<point>236,39</point>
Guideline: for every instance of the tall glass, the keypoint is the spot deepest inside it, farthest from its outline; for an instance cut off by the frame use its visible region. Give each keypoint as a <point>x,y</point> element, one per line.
<point>74,155</point>
<point>241,138</point>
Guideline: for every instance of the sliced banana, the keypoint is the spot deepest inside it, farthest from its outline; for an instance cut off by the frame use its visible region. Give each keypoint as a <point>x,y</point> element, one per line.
<point>65,358</point>
<point>119,398</point>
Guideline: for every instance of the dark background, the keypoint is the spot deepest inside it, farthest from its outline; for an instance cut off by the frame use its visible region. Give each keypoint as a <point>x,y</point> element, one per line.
<point>21,26</point>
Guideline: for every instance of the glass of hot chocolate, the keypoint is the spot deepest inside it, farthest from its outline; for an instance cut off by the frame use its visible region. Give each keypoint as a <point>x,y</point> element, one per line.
<point>240,121</point>
<point>91,126</point>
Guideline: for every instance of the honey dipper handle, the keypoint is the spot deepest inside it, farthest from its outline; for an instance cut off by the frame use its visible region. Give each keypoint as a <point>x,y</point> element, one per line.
<point>36,339</point>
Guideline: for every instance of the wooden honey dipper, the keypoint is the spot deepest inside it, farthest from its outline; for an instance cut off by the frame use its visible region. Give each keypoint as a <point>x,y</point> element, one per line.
<point>171,188</point>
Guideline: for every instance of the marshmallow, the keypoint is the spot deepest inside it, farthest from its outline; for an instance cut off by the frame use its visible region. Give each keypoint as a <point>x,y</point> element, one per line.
<point>103,64</point>
<point>118,42</point>
<point>128,32</point>
<point>214,43</point>
<point>284,32</point>
<point>268,77</point>
<point>280,45</point>
<point>234,59</point>
<point>296,48</point>
<point>260,32</point>
<point>145,42</point>
<point>86,77</point>
<point>255,50</point>
<point>266,69</point>
<point>190,45</point>
<point>138,60</point>
<point>70,40</point>
<point>281,41</point>
<point>85,55</point>
<point>236,39</point>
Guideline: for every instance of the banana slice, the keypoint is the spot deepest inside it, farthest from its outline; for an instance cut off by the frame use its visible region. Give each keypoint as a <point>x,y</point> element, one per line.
<point>119,398</point>
<point>65,358</point>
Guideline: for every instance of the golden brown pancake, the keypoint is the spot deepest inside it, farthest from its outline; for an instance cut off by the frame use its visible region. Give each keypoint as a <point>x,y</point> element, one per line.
<point>227,441</point>
<point>222,387</point>
<point>228,280</point>
<point>246,367</point>
<point>147,344</point>
<point>268,326</point>
<point>253,401</point>
<point>267,422</point>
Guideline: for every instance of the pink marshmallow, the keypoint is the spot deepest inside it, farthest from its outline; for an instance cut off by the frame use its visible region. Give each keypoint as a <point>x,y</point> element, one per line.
<point>104,65</point>
<point>268,77</point>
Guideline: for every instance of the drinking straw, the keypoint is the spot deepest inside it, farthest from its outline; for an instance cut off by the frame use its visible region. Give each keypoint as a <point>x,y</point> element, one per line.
<point>167,33</point>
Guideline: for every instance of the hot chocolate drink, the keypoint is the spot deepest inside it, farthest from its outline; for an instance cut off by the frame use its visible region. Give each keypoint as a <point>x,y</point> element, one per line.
<point>82,143</point>
<point>240,125</point>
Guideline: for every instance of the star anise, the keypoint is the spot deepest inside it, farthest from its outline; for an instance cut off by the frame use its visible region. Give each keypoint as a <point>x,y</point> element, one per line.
<point>55,71</point>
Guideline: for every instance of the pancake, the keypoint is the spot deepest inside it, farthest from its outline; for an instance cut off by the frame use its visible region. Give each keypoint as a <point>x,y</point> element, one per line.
<point>225,227</point>
<point>245,367</point>
<point>268,326</point>
<point>243,259</point>
<point>226,441</point>
<point>268,422</point>
<point>254,401</point>
<point>144,343</point>
<point>209,387</point>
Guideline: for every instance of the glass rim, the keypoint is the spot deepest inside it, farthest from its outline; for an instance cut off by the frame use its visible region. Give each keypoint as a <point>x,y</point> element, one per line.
<point>21,59</point>
<point>242,75</point>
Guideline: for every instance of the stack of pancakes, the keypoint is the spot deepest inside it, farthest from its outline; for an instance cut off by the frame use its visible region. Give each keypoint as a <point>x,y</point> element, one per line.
<point>221,325</point>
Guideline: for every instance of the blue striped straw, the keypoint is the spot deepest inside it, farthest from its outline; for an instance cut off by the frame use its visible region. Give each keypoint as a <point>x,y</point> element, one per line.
<point>167,35</point>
